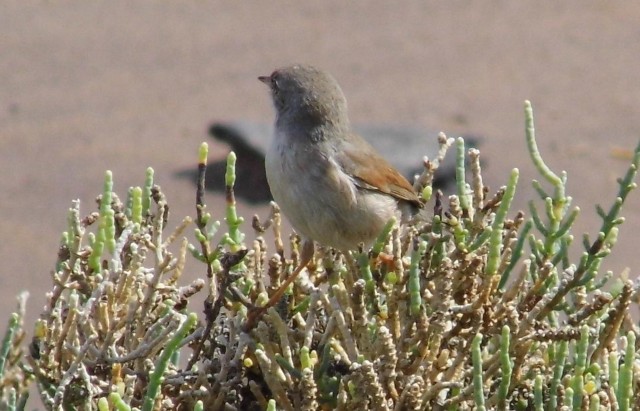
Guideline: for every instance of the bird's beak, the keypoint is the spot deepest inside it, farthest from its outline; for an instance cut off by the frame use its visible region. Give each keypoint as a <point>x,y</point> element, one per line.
<point>265,79</point>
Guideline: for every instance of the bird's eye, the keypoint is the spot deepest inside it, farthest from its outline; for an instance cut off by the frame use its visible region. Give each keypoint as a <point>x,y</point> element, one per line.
<point>274,81</point>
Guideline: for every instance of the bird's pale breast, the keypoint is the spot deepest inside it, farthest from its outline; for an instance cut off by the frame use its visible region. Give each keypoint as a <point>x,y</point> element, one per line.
<point>320,200</point>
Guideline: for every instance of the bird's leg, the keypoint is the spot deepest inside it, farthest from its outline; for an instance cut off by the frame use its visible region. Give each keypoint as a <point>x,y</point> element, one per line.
<point>305,257</point>
<point>255,313</point>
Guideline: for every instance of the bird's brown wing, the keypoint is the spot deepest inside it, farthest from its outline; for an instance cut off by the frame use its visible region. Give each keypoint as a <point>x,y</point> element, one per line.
<point>372,172</point>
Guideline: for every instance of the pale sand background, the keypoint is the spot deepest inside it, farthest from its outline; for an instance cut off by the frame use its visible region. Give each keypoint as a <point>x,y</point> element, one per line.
<point>87,86</point>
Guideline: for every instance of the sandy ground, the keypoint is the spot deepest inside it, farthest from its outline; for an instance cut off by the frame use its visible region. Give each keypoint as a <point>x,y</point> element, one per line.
<point>90,86</point>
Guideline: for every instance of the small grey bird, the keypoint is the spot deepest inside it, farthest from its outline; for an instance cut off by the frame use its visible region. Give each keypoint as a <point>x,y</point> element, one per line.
<point>329,182</point>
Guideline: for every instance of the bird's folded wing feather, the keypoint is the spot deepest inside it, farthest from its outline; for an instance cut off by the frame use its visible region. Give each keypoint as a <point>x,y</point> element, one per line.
<point>372,172</point>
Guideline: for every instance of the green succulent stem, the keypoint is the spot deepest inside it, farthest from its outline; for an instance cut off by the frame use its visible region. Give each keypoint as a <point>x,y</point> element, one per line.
<point>156,377</point>
<point>478,383</point>
<point>495,242</point>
